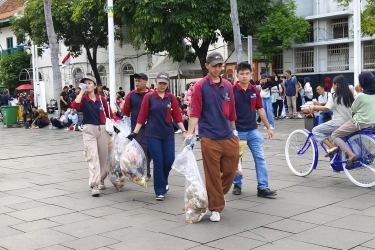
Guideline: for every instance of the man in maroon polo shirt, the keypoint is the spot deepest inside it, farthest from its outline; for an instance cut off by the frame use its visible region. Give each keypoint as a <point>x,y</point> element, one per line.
<point>213,108</point>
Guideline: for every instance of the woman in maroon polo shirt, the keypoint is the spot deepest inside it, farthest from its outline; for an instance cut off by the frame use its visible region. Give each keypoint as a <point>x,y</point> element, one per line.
<point>158,108</point>
<point>95,138</point>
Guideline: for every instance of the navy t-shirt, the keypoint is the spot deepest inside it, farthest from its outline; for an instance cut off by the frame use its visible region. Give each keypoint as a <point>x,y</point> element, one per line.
<point>247,103</point>
<point>133,102</point>
<point>290,85</point>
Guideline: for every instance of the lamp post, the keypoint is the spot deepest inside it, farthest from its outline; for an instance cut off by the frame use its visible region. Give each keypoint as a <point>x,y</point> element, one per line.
<point>111,51</point>
<point>357,40</point>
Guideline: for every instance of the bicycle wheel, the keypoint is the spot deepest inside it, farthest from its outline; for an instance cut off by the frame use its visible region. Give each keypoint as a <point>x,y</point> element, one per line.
<point>301,152</point>
<point>363,175</point>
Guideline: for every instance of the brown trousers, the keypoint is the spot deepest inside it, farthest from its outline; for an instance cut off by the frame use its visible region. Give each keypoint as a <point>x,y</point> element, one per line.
<point>220,162</point>
<point>95,142</point>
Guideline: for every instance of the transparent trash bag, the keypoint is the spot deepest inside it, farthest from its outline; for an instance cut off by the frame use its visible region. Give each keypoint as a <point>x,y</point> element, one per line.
<point>133,163</point>
<point>117,144</point>
<point>196,201</point>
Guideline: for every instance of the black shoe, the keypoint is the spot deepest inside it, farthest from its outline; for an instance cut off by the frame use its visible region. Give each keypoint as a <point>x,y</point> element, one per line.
<point>160,197</point>
<point>266,193</point>
<point>236,190</point>
<point>350,164</point>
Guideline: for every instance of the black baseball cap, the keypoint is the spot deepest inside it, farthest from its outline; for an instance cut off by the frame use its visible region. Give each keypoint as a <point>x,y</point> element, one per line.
<point>214,58</point>
<point>141,76</point>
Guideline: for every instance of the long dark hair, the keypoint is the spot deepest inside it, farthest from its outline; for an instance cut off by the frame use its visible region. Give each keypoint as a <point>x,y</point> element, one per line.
<point>343,92</point>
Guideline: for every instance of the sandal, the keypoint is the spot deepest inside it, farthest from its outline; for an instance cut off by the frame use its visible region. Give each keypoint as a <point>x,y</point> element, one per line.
<point>331,151</point>
<point>350,164</point>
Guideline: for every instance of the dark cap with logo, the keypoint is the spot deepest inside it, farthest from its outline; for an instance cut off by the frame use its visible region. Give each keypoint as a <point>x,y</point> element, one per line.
<point>162,77</point>
<point>214,58</point>
<point>141,76</point>
<point>263,76</point>
<point>91,78</point>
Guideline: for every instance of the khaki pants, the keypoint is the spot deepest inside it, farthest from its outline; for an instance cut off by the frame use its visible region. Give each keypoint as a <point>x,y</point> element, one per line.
<point>95,141</point>
<point>292,106</point>
<point>220,162</point>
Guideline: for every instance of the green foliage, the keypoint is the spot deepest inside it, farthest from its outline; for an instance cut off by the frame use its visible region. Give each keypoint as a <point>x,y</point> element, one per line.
<point>344,3</point>
<point>162,25</point>
<point>78,23</point>
<point>368,18</point>
<point>281,29</point>
<point>11,66</point>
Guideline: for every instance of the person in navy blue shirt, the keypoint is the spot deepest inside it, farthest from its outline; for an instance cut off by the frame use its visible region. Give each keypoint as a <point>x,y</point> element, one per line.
<point>95,109</point>
<point>291,86</point>
<point>158,109</point>
<point>131,108</point>
<point>213,108</point>
<point>248,102</point>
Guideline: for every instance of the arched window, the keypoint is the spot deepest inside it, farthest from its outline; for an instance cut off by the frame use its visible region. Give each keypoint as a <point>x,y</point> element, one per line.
<point>77,76</point>
<point>103,75</point>
<point>127,70</point>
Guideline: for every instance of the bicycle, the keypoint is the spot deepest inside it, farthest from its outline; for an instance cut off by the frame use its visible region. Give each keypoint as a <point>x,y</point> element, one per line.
<point>301,153</point>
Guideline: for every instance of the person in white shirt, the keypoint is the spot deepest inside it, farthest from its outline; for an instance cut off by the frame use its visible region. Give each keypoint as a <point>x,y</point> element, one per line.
<point>340,104</point>
<point>322,100</point>
<point>308,90</point>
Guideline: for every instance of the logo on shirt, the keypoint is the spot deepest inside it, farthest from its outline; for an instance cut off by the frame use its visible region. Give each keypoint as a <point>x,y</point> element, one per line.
<point>170,106</point>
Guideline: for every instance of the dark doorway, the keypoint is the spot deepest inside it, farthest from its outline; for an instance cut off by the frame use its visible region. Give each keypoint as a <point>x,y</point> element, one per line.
<point>132,86</point>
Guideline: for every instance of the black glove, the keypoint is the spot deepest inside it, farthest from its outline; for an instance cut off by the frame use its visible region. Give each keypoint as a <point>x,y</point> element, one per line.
<point>132,136</point>
<point>116,130</point>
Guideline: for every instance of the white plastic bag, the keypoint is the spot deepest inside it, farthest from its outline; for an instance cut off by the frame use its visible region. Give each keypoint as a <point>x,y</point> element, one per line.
<point>196,201</point>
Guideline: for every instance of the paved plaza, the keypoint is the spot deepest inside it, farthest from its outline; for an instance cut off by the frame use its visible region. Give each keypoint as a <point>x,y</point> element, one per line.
<point>45,203</point>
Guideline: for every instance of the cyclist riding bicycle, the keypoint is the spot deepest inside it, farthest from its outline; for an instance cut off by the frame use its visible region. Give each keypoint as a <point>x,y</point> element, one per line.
<point>340,104</point>
<point>364,117</point>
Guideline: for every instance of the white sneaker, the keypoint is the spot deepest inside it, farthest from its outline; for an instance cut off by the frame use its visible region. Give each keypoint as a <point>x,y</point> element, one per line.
<point>178,131</point>
<point>299,116</point>
<point>272,127</point>
<point>215,216</point>
<point>101,186</point>
<point>95,192</point>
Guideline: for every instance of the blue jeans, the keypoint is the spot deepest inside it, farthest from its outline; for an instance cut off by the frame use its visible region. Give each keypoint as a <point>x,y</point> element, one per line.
<point>255,142</point>
<point>162,153</point>
<point>325,116</point>
<point>41,123</point>
<point>267,105</point>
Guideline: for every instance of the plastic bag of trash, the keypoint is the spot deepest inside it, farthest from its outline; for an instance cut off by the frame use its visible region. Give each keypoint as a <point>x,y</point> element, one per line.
<point>196,201</point>
<point>133,163</point>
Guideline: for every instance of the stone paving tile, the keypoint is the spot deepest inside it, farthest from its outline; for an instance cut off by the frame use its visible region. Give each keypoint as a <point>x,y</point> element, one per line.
<point>127,234</point>
<point>287,244</point>
<point>308,199</point>
<point>333,237</point>
<point>198,232</point>
<point>360,203</point>
<point>70,218</point>
<point>315,218</point>
<point>8,231</point>
<point>173,206</point>
<point>35,225</point>
<point>129,205</point>
<point>10,200</point>
<point>356,223</point>
<point>264,234</point>
<point>38,213</point>
<point>85,204</point>
<point>26,205</point>
<point>282,209</point>
<point>47,193</point>
<point>239,243</point>
<point>361,248</point>
<point>57,200</point>
<point>291,226</point>
<point>92,242</point>
<point>202,247</point>
<point>89,227</point>
<point>335,210</point>
<point>160,225</point>
<point>101,211</point>
<point>7,220</point>
<point>55,247</point>
<point>369,244</point>
<point>155,242</point>
<point>242,204</point>
<point>4,210</point>
<point>34,240</point>
<point>367,212</point>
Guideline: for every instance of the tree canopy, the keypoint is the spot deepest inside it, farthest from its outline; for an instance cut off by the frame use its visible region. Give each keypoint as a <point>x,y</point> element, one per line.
<point>163,25</point>
<point>11,66</point>
<point>281,29</point>
<point>78,24</point>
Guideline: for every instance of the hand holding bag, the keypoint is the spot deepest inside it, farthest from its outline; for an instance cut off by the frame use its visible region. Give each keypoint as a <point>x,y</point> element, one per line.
<point>108,122</point>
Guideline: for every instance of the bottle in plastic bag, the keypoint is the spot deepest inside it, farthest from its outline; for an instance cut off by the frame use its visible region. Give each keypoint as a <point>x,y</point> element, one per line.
<point>196,200</point>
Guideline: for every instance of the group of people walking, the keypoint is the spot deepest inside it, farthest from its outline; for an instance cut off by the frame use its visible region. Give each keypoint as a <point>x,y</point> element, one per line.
<point>224,113</point>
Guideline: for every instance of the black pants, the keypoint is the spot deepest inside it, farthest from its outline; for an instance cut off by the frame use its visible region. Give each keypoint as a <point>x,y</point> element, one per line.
<point>56,123</point>
<point>277,108</point>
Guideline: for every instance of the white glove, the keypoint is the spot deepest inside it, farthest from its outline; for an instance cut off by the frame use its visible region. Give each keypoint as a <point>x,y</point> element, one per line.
<point>235,132</point>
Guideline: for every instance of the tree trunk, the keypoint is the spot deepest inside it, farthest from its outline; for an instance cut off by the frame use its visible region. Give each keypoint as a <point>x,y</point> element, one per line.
<point>201,52</point>
<point>93,62</point>
<point>54,47</point>
<point>236,30</point>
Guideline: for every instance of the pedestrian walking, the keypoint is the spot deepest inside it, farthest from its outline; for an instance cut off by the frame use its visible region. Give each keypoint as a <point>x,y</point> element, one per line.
<point>248,102</point>
<point>291,86</point>
<point>95,109</point>
<point>266,96</point>
<point>158,109</point>
<point>131,108</point>
<point>213,108</point>
<point>277,98</point>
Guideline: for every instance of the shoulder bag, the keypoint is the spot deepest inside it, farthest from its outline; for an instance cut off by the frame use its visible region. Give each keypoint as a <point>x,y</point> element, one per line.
<point>108,122</point>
